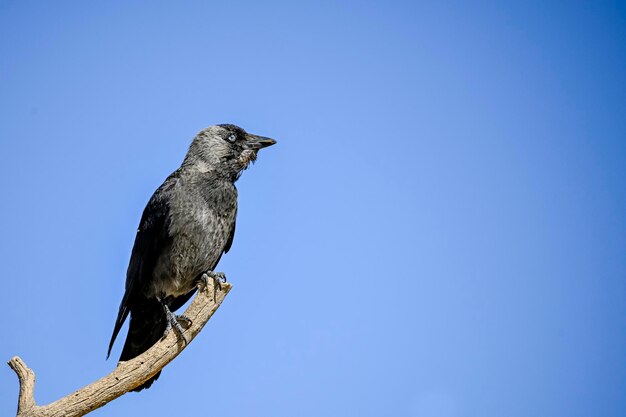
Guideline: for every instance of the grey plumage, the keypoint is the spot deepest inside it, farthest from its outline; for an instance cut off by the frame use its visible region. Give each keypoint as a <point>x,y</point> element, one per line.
<point>185,228</point>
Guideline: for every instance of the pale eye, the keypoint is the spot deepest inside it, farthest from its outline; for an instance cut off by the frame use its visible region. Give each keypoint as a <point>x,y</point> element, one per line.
<point>232,138</point>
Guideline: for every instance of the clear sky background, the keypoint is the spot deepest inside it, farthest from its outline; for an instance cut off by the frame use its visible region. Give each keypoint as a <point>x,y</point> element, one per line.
<point>440,231</point>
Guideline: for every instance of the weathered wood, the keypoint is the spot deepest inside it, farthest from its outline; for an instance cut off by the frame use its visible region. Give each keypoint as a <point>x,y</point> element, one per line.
<point>127,375</point>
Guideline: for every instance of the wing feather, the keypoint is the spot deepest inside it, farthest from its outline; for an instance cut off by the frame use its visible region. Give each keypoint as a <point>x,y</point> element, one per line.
<point>152,236</point>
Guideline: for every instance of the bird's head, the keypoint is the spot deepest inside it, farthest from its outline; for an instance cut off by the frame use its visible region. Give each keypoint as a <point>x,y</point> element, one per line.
<point>225,149</point>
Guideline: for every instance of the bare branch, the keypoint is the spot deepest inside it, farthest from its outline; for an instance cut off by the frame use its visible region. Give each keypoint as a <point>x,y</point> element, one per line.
<point>127,375</point>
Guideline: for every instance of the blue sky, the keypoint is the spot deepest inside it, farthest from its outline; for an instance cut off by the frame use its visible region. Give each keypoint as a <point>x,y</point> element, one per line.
<point>440,231</point>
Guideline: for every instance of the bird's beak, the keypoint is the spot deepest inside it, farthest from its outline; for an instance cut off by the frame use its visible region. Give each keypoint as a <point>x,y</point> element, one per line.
<point>255,142</point>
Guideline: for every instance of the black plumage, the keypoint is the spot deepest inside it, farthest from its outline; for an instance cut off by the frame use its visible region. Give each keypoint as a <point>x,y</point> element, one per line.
<point>187,225</point>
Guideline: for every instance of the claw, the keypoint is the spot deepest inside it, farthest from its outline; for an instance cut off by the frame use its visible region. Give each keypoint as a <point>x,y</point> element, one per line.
<point>173,323</point>
<point>184,321</point>
<point>217,277</point>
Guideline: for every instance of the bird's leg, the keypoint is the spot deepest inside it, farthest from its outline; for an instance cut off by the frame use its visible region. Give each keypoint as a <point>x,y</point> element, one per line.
<point>217,277</point>
<point>172,321</point>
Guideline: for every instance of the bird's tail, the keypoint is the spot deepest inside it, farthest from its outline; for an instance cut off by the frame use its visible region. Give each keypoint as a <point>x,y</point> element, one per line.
<point>147,326</point>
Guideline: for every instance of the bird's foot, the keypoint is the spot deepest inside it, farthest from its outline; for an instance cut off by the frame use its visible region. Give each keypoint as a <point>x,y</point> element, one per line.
<point>218,279</point>
<point>174,322</point>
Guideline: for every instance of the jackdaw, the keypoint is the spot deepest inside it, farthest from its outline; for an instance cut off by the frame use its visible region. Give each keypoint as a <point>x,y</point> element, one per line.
<point>187,225</point>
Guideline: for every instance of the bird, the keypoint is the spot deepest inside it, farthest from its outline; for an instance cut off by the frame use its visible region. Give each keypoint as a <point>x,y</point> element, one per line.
<point>186,227</point>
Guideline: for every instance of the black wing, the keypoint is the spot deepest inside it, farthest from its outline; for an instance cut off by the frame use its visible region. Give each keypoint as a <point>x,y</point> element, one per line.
<point>152,237</point>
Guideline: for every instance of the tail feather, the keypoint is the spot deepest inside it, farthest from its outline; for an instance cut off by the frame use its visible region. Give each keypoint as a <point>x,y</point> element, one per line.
<point>147,326</point>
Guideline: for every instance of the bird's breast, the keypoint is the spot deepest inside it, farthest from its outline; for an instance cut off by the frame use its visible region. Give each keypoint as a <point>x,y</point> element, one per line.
<point>199,233</point>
